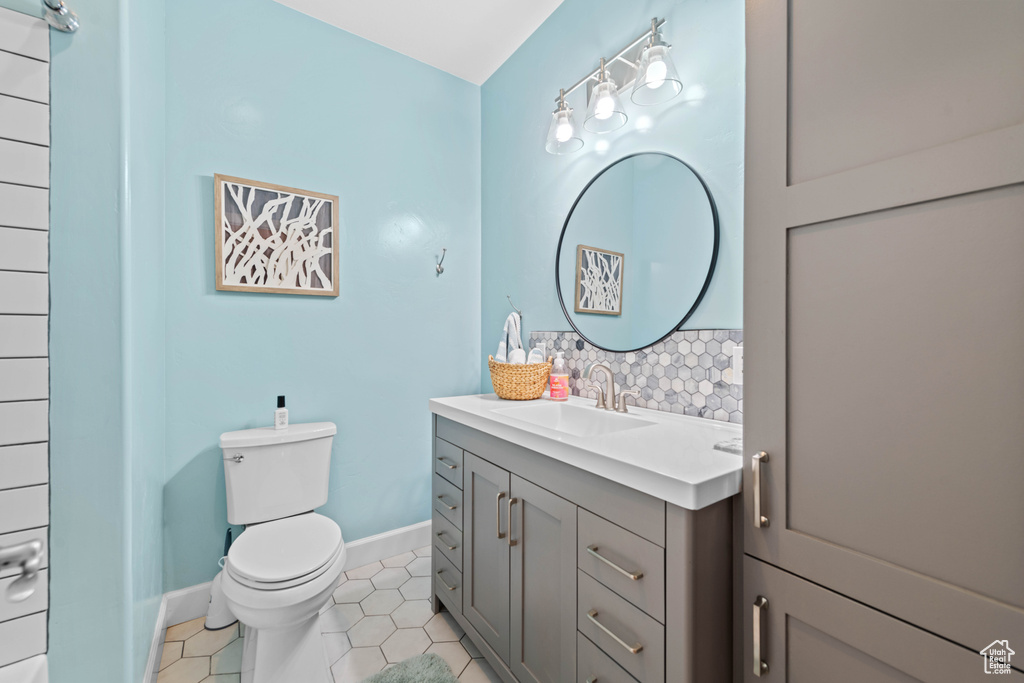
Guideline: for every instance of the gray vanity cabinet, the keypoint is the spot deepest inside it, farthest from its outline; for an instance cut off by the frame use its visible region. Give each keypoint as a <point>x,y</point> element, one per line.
<point>543,590</point>
<point>485,601</point>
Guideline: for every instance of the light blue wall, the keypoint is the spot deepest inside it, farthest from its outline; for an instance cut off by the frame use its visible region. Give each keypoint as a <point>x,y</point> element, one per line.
<point>259,91</point>
<point>528,192</point>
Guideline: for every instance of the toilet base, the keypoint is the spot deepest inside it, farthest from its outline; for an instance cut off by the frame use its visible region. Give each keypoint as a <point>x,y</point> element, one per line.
<point>285,656</point>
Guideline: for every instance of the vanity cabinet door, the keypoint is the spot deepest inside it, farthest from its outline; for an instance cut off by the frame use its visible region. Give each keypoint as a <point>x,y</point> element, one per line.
<point>882,306</point>
<point>808,634</point>
<point>485,546</point>
<point>542,527</point>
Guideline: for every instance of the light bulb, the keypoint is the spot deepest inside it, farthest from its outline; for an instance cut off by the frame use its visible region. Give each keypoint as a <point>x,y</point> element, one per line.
<point>564,130</point>
<point>656,72</point>
<point>605,107</point>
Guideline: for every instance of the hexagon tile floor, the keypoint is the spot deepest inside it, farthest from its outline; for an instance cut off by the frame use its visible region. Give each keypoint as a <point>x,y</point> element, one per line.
<point>379,615</point>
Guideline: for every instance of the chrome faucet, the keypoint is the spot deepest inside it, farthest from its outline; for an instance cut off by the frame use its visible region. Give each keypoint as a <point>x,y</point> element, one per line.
<point>28,556</point>
<point>606,396</point>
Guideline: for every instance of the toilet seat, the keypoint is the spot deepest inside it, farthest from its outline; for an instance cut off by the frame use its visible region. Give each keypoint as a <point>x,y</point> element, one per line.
<point>284,553</point>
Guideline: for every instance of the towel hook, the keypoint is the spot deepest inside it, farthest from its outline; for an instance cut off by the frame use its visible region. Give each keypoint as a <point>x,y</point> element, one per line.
<point>440,268</point>
<point>509,297</point>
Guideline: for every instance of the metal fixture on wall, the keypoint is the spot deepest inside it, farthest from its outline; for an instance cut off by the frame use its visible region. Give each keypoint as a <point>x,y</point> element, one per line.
<point>60,17</point>
<point>643,65</point>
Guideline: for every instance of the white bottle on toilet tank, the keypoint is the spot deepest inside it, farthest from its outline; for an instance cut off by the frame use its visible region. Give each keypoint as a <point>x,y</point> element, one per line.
<point>281,414</point>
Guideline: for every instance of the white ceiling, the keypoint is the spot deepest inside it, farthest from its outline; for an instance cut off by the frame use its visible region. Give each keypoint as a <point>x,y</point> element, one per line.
<point>467,38</point>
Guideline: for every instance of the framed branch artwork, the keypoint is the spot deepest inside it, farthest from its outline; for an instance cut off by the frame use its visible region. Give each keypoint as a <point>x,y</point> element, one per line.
<point>275,239</point>
<point>599,280</point>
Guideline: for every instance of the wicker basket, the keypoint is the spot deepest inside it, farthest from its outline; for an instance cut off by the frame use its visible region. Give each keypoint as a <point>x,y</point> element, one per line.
<point>519,382</point>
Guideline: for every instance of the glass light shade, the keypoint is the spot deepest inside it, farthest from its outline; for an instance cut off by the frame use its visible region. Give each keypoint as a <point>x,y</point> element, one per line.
<point>563,133</point>
<point>656,80</point>
<point>605,112</point>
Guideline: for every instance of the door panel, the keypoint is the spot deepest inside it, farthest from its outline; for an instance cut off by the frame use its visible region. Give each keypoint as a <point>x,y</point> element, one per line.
<point>543,585</point>
<point>885,306</point>
<point>810,634</point>
<point>485,598</point>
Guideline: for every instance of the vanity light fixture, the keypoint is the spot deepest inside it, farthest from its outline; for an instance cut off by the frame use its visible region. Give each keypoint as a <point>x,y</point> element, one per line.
<point>563,133</point>
<point>644,66</point>
<point>656,80</point>
<point>605,112</point>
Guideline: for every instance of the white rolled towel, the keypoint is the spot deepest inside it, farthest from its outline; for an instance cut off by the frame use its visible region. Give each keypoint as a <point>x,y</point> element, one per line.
<point>511,341</point>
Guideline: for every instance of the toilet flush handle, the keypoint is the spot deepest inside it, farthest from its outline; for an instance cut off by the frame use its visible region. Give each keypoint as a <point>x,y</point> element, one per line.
<point>238,457</point>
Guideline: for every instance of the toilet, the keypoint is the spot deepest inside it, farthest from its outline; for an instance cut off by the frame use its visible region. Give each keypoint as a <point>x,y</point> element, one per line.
<point>283,568</point>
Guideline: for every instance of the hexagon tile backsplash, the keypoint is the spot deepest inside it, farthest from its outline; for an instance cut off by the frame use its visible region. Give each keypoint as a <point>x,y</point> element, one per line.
<point>688,373</point>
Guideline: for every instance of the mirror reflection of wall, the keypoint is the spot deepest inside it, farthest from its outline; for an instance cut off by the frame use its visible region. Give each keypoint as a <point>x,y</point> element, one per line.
<point>657,212</point>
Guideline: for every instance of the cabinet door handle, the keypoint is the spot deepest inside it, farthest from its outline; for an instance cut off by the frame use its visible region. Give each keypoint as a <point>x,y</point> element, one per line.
<point>755,465</point>
<point>760,666</point>
<point>497,513</point>
<point>440,576</point>
<point>635,576</point>
<point>634,649</point>
<point>440,534</point>
<point>446,462</point>
<point>512,541</point>
<point>445,503</point>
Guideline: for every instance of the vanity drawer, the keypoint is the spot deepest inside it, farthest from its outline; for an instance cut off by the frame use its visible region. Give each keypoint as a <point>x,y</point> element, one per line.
<point>615,626</point>
<point>448,461</point>
<point>448,500</point>
<point>447,539</point>
<point>448,583</point>
<point>624,555</point>
<point>594,666</point>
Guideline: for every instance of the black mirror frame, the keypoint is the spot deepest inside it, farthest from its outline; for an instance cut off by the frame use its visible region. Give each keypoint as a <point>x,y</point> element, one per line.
<point>707,280</point>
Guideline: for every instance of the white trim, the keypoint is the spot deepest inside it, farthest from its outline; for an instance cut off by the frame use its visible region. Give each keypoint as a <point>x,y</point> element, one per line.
<point>190,603</point>
<point>388,544</point>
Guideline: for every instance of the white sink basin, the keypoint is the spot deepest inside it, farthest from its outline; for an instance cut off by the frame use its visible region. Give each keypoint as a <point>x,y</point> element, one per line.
<point>573,420</point>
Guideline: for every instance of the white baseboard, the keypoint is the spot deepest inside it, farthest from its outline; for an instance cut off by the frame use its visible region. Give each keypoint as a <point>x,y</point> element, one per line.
<point>192,602</point>
<point>388,544</point>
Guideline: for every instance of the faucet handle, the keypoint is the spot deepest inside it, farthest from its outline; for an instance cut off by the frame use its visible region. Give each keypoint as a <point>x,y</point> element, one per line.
<point>601,403</point>
<point>621,406</point>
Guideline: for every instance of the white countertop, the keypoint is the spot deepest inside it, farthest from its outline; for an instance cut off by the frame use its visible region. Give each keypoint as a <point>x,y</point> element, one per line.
<point>673,458</point>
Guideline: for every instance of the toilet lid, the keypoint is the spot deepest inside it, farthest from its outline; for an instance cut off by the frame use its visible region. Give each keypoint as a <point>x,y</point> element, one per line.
<point>285,549</point>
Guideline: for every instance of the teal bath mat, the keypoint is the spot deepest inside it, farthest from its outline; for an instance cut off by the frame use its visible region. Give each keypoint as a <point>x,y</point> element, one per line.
<point>429,668</point>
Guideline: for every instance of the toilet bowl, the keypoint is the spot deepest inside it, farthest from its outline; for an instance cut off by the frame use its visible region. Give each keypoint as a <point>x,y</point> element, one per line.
<point>277,577</point>
<point>282,569</point>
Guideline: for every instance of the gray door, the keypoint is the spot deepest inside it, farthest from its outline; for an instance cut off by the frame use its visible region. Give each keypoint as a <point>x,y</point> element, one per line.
<point>543,591</point>
<point>485,551</point>
<point>808,634</point>
<point>884,304</point>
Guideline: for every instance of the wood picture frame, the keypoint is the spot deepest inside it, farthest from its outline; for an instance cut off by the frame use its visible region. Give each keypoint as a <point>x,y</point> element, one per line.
<point>287,247</point>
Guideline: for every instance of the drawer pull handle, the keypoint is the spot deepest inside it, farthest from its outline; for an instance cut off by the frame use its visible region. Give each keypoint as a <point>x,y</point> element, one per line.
<point>446,462</point>
<point>497,514</point>
<point>440,576</point>
<point>755,465</point>
<point>760,666</point>
<point>635,576</point>
<point>512,541</point>
<point>440,534</point>
<point>634,649</point>
<point>443,502</point>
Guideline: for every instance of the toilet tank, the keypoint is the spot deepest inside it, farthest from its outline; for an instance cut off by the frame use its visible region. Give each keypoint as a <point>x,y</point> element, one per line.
<point>275,473</point>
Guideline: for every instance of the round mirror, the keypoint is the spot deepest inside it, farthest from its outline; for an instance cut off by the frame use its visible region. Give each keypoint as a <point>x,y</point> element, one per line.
<point>637,252</point>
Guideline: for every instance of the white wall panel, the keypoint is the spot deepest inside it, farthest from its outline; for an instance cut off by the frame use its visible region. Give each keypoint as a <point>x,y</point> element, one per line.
<point>24,35</point>
<point>25,250</point>
<point>24,164</point>
<point>24,379</point>
<point>26,422</point>
<point>24,207</point>
<point>22,638</point>
<point>25,508</point>
<point>25,465</point>
<point>24,293</point>
<point>24,120</point>
<point>39,534</point>
<point>24,77</point>
<point>23,336</point>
